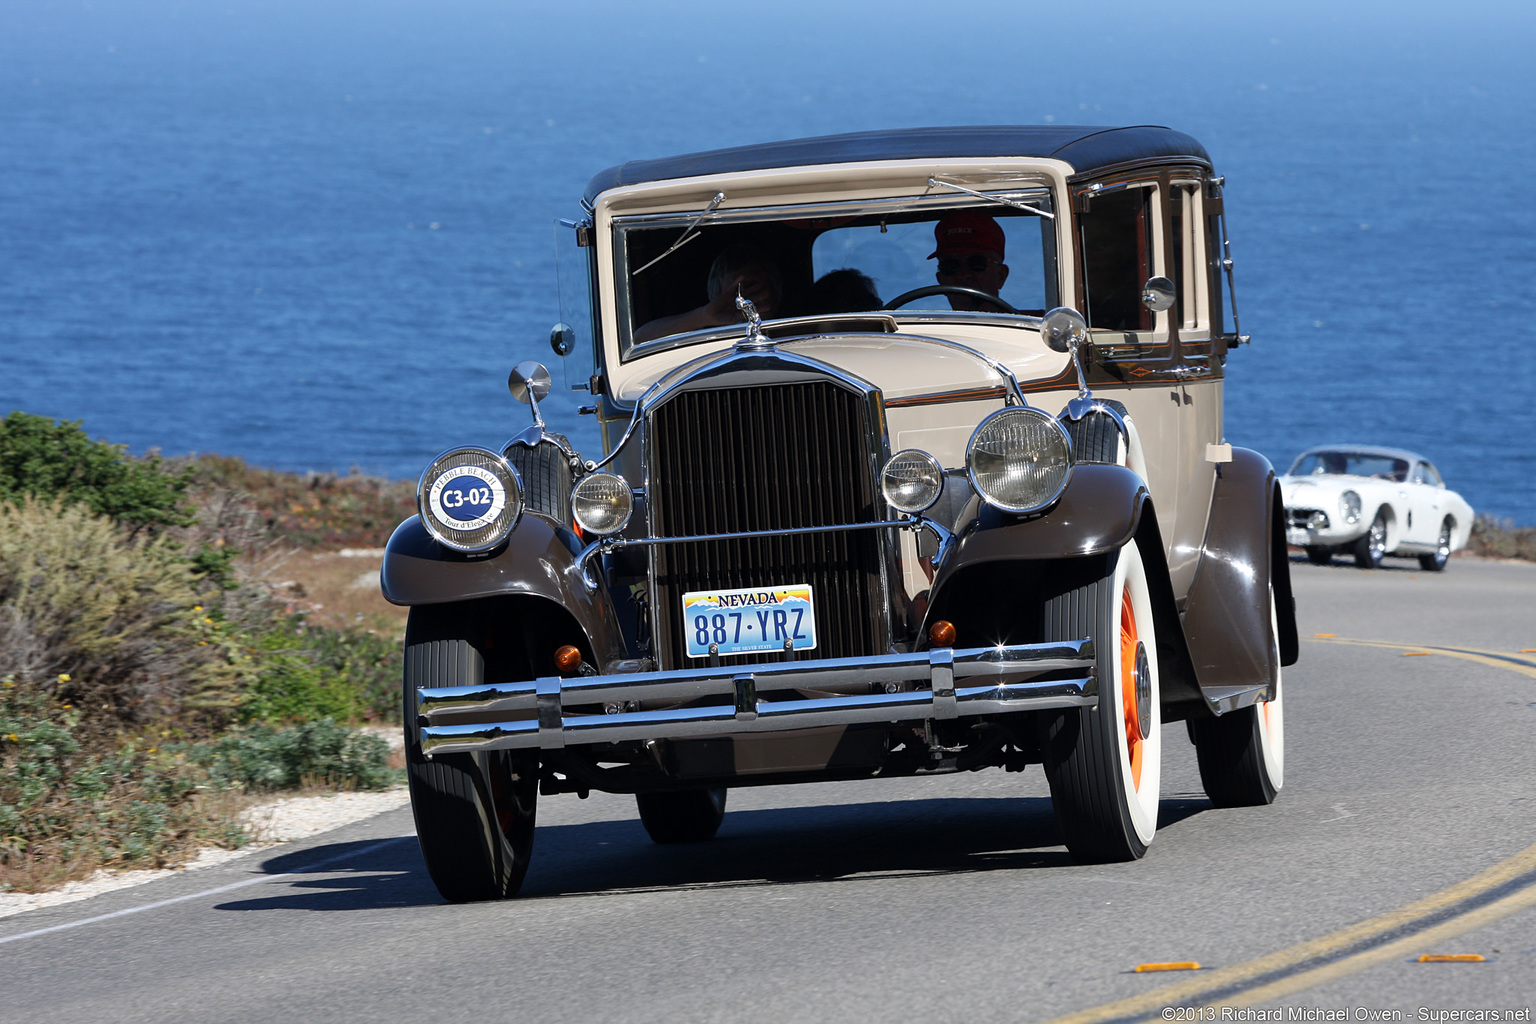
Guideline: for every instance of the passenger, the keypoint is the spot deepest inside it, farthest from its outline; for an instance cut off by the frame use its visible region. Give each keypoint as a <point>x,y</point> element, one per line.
<point>844,291</point>
<point>744,267</point>
<point>970,247</point>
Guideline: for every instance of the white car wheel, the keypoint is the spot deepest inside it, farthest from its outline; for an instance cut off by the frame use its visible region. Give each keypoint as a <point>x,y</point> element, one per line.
<point>1442,554</point>
<point>1370,549</point>
<point>1104,764</point>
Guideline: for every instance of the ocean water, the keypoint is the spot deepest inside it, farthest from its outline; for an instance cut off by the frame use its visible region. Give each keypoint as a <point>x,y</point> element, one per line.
<point>317,234</point>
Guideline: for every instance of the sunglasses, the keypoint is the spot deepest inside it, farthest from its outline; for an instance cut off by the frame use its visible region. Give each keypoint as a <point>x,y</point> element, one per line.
<point>975,264</point>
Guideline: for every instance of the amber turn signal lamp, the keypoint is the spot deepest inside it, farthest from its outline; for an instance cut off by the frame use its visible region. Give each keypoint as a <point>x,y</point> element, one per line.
<point>568,659</point>
<point>942,634</point>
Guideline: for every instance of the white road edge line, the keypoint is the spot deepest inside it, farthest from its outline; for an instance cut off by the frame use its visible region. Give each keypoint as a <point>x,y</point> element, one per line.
<point>206,892</point>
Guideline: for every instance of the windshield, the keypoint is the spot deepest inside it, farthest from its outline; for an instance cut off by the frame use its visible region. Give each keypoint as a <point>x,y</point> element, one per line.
<point>849,259</point>
<point>1383,467</point>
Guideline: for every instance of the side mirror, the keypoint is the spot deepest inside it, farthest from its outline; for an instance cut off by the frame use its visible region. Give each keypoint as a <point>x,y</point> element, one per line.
<point>529,381</point>
<point>562,338</point>
<point>1158,294</point>
<point>1064,329</point>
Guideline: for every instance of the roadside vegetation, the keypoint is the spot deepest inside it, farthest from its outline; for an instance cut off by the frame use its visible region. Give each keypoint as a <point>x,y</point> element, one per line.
<point>154,678</point>
<point>1495,538</point>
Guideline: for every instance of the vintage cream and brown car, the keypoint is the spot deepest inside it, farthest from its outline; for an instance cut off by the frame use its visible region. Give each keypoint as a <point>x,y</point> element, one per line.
<point>988,521</point>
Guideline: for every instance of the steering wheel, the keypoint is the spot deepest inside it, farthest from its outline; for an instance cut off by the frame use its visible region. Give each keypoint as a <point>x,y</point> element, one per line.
<point>948,289</point>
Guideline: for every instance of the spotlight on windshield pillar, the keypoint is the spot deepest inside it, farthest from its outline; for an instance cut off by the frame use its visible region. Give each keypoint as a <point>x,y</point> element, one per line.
<point>568,659</point>
<point>942,634</point>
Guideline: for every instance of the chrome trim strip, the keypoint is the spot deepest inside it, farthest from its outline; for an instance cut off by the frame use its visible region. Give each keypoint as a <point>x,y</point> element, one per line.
<point>608,545</point>
<point>946,397</point>
<point>1007,677</point>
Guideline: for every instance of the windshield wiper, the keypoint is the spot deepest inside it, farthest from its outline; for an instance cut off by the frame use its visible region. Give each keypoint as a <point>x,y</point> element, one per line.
<point>685,237</point>
<point>993,198</point>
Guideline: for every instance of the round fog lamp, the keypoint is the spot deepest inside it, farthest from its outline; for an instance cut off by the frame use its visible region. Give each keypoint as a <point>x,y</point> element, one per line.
<point>912,480</point>
<point>469,499</point>
<point>602,503</point>
<point>1019,459</point>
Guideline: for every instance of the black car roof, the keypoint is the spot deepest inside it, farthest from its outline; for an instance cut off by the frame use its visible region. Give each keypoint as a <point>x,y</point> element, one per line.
<point>1086,148</point>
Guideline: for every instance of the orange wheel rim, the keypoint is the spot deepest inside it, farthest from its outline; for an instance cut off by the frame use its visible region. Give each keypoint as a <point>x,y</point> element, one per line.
<point>1128,644</point>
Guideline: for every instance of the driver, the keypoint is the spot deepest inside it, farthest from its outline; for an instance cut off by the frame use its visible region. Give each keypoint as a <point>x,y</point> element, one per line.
<point>969,248</point>
<point>741,267</point>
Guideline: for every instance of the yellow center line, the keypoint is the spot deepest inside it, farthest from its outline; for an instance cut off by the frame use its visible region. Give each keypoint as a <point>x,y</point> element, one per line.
<point>1397,949</point>
<point>1230,981</point>
<point>1493,659</point>
<point>1191,992</point>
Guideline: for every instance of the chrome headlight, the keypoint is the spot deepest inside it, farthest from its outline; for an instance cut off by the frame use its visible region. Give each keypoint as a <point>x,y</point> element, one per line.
<point>1019,459</point>
<point>469,499</point>
<point>912,480</point>
<point>602,503</point>
<point>1349,506</point>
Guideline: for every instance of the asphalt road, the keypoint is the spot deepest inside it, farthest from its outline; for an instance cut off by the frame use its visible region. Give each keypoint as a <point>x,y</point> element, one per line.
<point>1406,827</point>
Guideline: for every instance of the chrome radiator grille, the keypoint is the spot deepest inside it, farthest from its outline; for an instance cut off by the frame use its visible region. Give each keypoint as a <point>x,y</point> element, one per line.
<point>767,458</point>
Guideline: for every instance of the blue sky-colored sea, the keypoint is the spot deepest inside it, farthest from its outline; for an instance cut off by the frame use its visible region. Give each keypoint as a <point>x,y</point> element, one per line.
<point>318,233</point>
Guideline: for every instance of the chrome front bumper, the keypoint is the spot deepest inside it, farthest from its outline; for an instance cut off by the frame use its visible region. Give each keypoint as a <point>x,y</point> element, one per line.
<point>739,699</point>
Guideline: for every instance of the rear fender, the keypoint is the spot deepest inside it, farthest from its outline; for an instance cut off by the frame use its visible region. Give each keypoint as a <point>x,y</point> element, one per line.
<point>538,562</point>
<point>1226,616</point>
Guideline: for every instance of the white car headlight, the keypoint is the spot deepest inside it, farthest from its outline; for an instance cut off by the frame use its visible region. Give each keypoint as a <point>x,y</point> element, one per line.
<point>469,499</point>
<point>1349,506</point>
<point>1019,459</point>
<point>912,480</point>
<point>602,503</point>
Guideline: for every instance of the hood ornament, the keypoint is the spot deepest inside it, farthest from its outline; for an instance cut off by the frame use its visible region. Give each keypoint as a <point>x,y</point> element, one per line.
<point>755,337</point>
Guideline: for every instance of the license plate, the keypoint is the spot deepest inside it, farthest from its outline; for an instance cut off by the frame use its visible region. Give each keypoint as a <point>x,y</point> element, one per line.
<point>750,620</point>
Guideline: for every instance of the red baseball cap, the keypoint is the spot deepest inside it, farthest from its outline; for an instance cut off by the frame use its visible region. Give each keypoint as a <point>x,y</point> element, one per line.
<point>968,231</point>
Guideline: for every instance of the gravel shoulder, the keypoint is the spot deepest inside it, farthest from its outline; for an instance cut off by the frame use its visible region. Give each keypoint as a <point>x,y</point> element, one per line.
<point>272,824</point>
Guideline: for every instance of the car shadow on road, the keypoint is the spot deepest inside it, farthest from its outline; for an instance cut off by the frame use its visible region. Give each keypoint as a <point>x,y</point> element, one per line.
<point>755,848</point>
<point>1391,563</point>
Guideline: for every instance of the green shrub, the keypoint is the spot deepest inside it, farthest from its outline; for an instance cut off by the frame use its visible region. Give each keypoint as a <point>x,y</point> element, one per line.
<point>369,663</point>
<point>288,683</point>
<point>302,673</point>
<point>68,805</point>
<point>263,758</point>
<point>55,462</point>
<point>107,620</point>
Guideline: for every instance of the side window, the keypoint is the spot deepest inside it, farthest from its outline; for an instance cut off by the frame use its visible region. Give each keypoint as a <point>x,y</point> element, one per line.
<point>1121,234</point>
<point>573,278</point>
<point>1190,311</point>
<point>1117,260</point>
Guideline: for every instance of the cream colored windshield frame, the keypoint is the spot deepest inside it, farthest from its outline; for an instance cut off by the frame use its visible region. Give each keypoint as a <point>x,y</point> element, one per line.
<point>1031,191</point>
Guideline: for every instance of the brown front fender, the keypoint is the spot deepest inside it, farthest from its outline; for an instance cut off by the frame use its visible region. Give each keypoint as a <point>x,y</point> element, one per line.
<point>1002,568</point>
<point>1099,511</point>
<point>538,561</point>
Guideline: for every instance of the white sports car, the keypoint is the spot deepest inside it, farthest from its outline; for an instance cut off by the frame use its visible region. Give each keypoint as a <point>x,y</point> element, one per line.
<point>1371,502</point>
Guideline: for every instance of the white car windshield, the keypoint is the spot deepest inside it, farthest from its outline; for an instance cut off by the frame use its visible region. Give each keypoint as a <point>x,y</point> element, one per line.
<point>1381,467</point>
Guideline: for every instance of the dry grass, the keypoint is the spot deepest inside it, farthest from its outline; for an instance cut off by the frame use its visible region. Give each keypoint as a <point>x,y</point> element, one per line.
<point>337,589</point>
